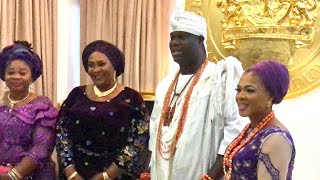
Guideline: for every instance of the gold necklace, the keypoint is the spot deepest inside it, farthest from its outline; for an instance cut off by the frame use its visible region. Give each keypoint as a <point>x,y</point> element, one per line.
<point>98,93</point>
<point>13,102</point>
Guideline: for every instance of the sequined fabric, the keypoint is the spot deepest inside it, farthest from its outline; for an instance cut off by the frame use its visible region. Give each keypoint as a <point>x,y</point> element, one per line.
<point>244,164</point>
<point>92,134</point>
<point>29,130</point>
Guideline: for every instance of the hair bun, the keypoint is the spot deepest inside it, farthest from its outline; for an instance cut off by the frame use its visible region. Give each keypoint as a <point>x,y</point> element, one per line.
<point>24,43</point>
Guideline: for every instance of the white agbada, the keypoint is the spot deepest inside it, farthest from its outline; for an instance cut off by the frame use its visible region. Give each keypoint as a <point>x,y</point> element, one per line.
<point>212,122</point>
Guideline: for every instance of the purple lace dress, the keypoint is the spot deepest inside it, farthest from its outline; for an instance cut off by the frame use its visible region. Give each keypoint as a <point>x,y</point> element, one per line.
<point>92,135</point>
<point>29,130</point>
<point>246,162</point>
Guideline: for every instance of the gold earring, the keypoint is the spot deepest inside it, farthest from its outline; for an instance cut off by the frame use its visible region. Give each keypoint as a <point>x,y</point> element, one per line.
<point>30,86</point>
<point>269,104</point>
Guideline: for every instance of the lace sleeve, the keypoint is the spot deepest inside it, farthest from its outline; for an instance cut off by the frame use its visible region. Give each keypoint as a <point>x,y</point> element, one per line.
<point>274,157</point>
<point>43,144</point>
<point>132,158</point>
<point>63,143</point>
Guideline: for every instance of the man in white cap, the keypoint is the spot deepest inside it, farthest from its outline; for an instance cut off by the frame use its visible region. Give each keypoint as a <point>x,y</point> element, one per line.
<point>195,115</point>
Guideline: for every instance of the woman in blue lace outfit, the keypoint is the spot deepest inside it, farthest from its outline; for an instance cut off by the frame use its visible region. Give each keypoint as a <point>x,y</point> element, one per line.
<point>103,127</point>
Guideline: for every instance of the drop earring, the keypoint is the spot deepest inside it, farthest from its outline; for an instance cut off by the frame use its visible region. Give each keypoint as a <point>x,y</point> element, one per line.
<point>30,86</point>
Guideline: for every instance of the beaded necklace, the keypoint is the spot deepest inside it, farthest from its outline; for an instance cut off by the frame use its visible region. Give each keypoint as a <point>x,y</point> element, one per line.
<point>240,142</point>
<point>169,112</point>
<point>183,115</point>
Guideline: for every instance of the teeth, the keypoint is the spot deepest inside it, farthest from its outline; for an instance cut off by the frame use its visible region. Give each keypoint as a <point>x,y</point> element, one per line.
<point>175,53</point>
<point>241,106</point>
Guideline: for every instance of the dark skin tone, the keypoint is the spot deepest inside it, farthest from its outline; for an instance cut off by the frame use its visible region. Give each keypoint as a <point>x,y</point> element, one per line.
<point>216,171</point>
<point>102,73</point>
<point>188,51</point>
<point>18,78</point>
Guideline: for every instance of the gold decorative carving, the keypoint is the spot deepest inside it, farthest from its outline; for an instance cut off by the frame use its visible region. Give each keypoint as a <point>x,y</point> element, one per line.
<point>276,19</point>
<point>255,30</point>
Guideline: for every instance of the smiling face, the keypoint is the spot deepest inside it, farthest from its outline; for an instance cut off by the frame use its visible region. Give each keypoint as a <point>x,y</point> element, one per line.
<point>18,76</point>
<point>252,97</point>
<point>101,70</point>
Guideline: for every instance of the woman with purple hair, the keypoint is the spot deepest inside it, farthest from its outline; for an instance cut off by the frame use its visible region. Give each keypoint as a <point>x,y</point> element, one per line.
<point>27,121</point>
<point>265,148</point>
<point>103,127</point>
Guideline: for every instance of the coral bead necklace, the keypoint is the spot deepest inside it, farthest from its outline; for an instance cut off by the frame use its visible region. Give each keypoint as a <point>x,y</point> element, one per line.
<point>170,110</point>
<point>182,119</point>
<point>240,142</point>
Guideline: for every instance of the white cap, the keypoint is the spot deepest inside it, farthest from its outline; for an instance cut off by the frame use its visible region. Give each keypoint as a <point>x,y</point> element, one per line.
<point>189,22</point>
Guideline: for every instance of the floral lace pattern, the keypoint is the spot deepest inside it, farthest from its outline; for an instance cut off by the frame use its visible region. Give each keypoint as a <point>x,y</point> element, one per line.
<point>29,130</point>
<point>246,160</point>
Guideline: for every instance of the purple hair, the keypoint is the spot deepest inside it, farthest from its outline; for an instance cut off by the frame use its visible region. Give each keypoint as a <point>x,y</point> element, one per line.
<point>274,76</point>
<point>114,54</point>
<point>20,50</point>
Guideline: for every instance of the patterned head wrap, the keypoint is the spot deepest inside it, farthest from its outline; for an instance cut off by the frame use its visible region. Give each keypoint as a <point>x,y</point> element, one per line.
<point>114,54</point>
<point>20,50</point>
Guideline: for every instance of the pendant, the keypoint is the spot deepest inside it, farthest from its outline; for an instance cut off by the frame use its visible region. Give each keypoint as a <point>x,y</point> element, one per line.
<point>168,115</point>
<point>11,106</point>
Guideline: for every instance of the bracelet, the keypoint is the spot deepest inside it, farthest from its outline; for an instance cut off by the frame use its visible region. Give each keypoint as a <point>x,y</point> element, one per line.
<point>206,177</point>
<point>69,166</point>
<point>12,176</point>
<point>105,176</point>
<point>16,173</point>
<point>72,175</point>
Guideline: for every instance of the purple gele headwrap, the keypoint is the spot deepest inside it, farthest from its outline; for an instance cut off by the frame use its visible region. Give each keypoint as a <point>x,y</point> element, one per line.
<point>19,51</point>
<point>274,76</point>
<point>114,54</point>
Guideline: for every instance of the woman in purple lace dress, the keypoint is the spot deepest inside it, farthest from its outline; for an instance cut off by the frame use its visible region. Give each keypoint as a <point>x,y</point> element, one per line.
<point>103,127</point>
<point>27,121</point>
<point>265,148</point>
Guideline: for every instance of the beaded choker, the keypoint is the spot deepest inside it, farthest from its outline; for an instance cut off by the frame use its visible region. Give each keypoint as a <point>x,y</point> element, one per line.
<point>13,102</point>
<point>98,93</point>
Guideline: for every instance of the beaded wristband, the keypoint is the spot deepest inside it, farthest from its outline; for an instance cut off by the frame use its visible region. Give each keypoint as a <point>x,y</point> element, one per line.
<point>145,176</point>
<point>206,177</point>
<point>72,175</point>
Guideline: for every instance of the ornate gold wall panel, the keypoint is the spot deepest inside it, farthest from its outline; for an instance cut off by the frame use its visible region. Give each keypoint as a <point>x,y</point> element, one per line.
<point>254,30</point>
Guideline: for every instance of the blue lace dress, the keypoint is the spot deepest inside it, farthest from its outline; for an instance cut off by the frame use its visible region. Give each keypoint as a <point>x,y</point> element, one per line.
<point>246,163</point>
